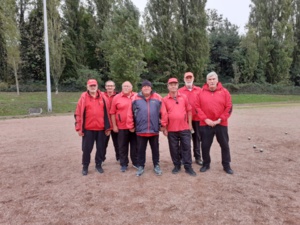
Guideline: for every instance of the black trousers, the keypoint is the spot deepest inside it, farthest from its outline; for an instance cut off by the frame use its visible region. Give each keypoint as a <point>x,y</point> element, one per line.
<point>207,135</point>
<point>142,146</point>
<point>196,138</point>
<point>126,138</point>
<point>88,140</point>
<point>114,137</point>
<point>180,147</point>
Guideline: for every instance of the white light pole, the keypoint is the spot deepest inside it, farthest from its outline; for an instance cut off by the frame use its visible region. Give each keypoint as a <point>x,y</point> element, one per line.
<point>47,59</point>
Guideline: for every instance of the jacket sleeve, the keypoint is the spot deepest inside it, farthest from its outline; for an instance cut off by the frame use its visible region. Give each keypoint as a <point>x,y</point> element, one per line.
<point>198,107</point>
<point>228,106</point>
<point>77,115</point>
<point>163,114</point>
<point>187,105</point>
<point>130,117</point>
<point>107,119</point>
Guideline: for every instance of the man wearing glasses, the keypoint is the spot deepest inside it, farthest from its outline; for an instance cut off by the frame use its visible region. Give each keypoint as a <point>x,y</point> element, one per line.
<point>110,93</point>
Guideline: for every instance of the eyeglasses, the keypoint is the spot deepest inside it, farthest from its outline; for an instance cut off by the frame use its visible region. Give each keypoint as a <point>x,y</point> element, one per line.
<point>109,85</point>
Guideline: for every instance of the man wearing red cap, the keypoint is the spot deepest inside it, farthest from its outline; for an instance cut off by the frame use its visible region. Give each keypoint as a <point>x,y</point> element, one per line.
<point>118,111</point>
<point>92,124</point>
<point>214,107</point>
<point>192,91</point>
<point>147,116</point>
<point>179,128</point>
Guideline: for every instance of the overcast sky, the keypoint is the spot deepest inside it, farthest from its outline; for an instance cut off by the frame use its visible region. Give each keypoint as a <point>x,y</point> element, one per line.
<point>236,11</point>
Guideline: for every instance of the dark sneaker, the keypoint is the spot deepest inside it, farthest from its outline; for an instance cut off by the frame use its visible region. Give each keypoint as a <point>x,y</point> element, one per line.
<point>228,170</point>
<point>190,171</point>
<point>157,170</point>
<point>85,170</point>
<point>99,168</point>
<point>199,162</point>
<point>176,169</point>
<point>204,169</point>
<point>140,171</point>
<point>123,168</point>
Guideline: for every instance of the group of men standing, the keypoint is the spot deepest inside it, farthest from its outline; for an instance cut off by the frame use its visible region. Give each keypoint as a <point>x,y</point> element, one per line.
<point>134,119</point>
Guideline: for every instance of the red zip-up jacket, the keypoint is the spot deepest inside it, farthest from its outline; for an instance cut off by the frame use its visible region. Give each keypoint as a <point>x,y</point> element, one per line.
<point>192,97</point>
<point>178,111</point>
<point>119,107</point>
<point>92,113</point>
<point>110,98</point>
<point>214,105</point>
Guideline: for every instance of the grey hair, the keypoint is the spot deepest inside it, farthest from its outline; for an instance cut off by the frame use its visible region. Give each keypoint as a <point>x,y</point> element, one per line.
<point>213,73</point>
<point>109,81</point>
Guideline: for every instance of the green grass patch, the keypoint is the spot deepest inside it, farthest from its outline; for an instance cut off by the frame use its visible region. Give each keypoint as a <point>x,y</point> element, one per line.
<point>65,102</point>
<point>12,105</point>
<point>263,98</point>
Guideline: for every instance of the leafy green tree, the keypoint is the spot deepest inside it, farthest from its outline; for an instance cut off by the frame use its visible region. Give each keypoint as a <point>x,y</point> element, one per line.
<point>224,40</point>
<point>122,43</point>
<point>192,23</point>
<point>33,47</point>
<point>165,42</point>
<point>246,58</point>
<point>12,37</point>
<point>3,51</point>
<point>57,60</point>
<point>295,68</point>
<point>102,9</point>
<point>272,21</point>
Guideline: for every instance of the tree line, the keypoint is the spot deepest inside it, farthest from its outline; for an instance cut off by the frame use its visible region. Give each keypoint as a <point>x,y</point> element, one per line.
<point>110,39</point>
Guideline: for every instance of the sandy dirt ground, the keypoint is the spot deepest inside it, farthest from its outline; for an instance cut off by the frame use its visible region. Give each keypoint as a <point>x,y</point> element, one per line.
<point>41,181</point>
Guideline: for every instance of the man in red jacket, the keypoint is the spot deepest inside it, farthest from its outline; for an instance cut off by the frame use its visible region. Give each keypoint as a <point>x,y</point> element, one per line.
<point>92,124</point>
<point>179,128</point>
<point>192,91</point>
<point>110,94</point>
<point>214,107</point>
<point>118,111</point>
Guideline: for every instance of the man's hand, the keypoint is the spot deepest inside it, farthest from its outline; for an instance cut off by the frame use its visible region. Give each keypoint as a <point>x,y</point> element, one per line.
<point>115,129</point>
<point>107,132</point>
<point>80,133</point>
<point>165,132</point>
<point>210,123</point>
<point>132,130</point>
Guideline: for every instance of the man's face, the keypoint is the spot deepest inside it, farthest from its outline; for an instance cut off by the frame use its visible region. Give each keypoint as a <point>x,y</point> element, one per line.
<point>92,88</point>
<point>173,87</point>
<point>188,80</point>
<point>110,87</point>
<point>126,87</point>
<point>146,90</point>
<point>212,82</point>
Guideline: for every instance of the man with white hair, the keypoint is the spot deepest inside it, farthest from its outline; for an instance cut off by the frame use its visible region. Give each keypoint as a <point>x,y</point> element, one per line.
<point>214,107</point>
<point>192,91</point>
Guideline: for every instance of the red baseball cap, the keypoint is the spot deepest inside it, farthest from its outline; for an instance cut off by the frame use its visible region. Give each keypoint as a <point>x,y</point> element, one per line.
<point>92,82</point>
<point>188,74</point>
<point>172,80</point>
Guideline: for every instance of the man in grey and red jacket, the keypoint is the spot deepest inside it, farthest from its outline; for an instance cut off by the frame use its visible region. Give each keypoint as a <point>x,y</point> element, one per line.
<point>147,116</point>
<point>214,107</point>
<point>92,124</point>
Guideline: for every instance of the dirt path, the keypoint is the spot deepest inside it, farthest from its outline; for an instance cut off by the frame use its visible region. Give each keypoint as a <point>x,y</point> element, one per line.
<point>41,181</point>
